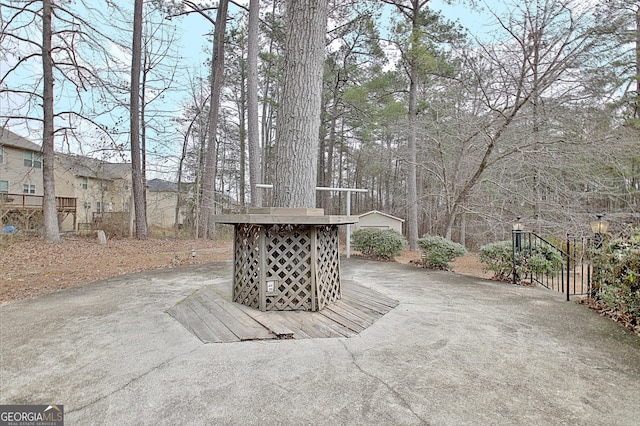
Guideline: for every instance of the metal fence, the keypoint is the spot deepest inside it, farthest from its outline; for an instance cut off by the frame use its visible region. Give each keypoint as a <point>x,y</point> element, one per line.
<point>566,269</point>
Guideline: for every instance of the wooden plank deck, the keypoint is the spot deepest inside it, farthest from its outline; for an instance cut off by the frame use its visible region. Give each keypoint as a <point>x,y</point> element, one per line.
<point>209,314</point>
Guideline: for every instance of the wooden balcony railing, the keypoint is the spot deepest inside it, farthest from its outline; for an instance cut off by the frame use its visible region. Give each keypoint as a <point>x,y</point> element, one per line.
<point>34,202</point>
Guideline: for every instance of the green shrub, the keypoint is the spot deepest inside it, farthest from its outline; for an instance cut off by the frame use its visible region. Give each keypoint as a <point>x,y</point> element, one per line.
<point>542,259</point>
<point>616,275</point>
<point>381,243</point>
<point>498,258</point>
<point>439,251</point>
<point>539,259</point>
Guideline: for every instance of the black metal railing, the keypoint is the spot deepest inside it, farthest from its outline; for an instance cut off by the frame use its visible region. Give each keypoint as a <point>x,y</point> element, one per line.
<point>566,269</point>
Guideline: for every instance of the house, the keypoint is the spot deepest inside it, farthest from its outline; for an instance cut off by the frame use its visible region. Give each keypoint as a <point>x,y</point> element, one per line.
<point>84,187</point>
<point>379,220</point>
<point>87,190</point>
<point>21,187</point>
<point>20,165</point>
<point>162,199</point>
<point>98,186</point>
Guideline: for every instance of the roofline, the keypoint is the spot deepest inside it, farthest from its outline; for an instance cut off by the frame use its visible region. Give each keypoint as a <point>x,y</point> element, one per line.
<point>382,213</point>
<point>30,145</point>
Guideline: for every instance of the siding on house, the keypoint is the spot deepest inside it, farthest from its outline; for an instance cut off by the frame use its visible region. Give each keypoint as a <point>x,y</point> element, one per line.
<point>99,186</point>
<point>379,220</point>
<point>21,165</point>
<point>162,197</point>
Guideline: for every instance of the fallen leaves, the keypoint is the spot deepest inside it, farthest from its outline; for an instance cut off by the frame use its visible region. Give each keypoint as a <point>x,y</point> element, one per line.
<point>625,319</point>
<point>30,267</point>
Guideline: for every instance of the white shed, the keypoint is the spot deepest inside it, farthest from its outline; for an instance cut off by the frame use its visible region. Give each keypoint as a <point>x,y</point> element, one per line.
<point>379,220</point>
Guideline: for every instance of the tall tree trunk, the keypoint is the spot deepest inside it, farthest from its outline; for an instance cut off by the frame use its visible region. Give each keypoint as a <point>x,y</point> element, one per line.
<point>326,195</point>
<point>463,229</point>
<point>536,39</point>
<point>298,125</point>
<point>183,157</point>
<point>202,148</point>
<point>266,168</point>
<point>242,133</point>
<point>412,190</point>
<point>252,104</point>
<point>637,77</point>
<point>143,133</point>
<point>134,117</point>
<point>206,226</point>
<point>50,211</point>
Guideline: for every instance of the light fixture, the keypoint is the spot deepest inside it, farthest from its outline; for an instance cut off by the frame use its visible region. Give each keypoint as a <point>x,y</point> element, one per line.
<point>517,225</point>
<point>599,226</point>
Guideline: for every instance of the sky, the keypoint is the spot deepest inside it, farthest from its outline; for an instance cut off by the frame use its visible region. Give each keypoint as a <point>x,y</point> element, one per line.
<point>193,30</point>
<point>196,27</point>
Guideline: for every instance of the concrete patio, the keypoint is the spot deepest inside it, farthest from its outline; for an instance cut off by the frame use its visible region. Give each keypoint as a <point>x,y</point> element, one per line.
<point>456,350</point>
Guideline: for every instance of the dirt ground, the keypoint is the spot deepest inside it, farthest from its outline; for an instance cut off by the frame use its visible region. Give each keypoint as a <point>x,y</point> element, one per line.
<point>30,267</point>
<point>465,265</point>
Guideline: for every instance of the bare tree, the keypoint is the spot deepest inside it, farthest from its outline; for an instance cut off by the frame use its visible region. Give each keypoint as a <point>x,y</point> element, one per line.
<point>206,226</point>
<point>32,99</point>
<point>253,133</point>
<point>62,38</point>
<point>542,48</point>
<point>51,227</point>
<point>134,122</point>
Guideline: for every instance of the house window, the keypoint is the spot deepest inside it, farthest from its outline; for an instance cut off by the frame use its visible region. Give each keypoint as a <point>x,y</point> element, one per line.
<point>28,189</point>
<point>32,159</point>
<point>98,207</point>
<point>85,183</point>
<point>4,186</point>
<point>1,155</point>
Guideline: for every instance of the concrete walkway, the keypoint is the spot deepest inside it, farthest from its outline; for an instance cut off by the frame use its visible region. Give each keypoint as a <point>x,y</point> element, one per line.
<point>457,350</point>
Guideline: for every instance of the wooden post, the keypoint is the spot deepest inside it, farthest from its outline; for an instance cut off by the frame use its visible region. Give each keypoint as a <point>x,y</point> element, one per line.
<point>262,286</point>
<point>314,268</point>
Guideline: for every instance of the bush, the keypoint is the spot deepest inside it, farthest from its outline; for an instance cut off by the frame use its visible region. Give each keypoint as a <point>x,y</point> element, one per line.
<point>538,259</point>
<point>498,258</point>
<point>379,243</point>
<point>616,276</point>
<point>114,225</point>
<point>542,259</point>
<point>439,251</point>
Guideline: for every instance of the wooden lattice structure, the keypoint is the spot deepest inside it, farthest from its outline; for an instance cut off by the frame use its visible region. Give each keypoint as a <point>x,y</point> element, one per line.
<point>286,259</point>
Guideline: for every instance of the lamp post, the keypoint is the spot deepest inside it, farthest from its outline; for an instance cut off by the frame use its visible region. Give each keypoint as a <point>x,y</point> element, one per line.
<point>517,228</point>
<point>599,228</point>
<point>516,234</point>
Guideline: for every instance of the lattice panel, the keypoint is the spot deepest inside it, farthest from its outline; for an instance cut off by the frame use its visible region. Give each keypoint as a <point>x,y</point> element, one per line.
<point>328,268</point>
<point>288,259</point>
<point>300,258</point>
<point>246,280</point>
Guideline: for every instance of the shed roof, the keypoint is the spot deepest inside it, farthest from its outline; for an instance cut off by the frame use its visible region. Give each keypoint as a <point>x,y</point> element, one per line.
<point>381,213</point>
<point>9,138</point>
